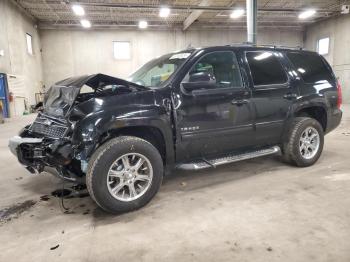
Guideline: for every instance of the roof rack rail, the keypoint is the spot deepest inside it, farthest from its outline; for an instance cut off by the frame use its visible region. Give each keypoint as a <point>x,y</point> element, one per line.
<point>274,46</point>
<point>283,46</point>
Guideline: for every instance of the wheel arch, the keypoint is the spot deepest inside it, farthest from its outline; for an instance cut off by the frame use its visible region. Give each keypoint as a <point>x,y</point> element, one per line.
<point>148,133</point>
<point>316,112</point>
<point>152,134</point>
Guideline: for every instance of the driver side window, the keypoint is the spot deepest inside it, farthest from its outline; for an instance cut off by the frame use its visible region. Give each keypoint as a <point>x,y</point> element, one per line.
<point>220,67</point>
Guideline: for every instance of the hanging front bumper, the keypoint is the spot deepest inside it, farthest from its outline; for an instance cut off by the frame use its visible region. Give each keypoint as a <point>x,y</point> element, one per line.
<point>16,141</point>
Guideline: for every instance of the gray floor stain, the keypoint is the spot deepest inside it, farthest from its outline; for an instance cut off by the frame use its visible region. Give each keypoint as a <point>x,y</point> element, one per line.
<point>8,213</point>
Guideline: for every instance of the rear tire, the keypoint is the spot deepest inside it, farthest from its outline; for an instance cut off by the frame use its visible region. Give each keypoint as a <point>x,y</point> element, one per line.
<point>304,143</point>
<point>124,174</point>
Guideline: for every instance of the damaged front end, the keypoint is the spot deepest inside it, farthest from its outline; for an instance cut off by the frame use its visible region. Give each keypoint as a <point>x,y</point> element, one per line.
<point>50,143</point>
<point>45,145</point>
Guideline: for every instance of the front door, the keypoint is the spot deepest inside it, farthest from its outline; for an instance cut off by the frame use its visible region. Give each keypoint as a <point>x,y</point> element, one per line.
<point>213,108</point>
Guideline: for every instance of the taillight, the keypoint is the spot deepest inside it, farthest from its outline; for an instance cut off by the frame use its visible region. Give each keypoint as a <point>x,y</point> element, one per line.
<point>340,97</point>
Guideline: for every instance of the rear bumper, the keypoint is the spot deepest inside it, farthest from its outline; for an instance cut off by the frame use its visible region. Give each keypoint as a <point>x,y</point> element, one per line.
<point>334,120</point>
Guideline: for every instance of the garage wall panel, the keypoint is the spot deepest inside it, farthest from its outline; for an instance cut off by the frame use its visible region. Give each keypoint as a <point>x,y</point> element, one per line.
<point>14,25</point>
<point>76,52</point>
<point>337,29</point>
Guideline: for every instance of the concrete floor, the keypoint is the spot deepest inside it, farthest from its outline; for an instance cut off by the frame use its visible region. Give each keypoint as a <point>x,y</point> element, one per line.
<point>257,210</point>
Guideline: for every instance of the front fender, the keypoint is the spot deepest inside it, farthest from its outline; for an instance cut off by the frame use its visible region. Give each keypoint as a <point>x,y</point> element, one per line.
<point>90,131</point>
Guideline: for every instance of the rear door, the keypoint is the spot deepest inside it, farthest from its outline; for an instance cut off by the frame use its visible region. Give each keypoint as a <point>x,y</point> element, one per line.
<point>273,93</point>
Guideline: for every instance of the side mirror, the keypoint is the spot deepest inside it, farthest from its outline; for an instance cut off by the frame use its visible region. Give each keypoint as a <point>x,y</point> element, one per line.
<point>200,77</point>
<point>199,80</point>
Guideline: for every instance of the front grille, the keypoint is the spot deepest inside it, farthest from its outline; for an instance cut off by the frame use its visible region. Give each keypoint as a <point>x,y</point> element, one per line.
<point>48,128</point>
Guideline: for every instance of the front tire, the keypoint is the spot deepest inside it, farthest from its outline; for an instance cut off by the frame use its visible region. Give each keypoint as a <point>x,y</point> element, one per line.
<point>124,174</point>
<point>304,143</point>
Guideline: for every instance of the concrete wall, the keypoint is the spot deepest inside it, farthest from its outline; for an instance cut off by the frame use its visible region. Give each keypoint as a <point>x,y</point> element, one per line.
<point>74,52</point>
<point>13,28</point>
<point>338,29</point>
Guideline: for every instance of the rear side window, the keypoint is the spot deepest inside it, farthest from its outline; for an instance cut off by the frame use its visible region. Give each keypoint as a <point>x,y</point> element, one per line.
<point>265,68</point>
<point>310,66</point>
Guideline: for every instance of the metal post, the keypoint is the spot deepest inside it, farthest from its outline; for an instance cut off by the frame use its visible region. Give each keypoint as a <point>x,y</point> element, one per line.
<point>252,13</point>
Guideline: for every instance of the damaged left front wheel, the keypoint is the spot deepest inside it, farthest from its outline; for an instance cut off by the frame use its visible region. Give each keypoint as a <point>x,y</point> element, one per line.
<point>124,174</point>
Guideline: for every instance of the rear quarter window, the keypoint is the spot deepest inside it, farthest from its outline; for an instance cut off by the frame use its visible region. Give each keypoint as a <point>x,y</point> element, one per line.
<point>311,67</point>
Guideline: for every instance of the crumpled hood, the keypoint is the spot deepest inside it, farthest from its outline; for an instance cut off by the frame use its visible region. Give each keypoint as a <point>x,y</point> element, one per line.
<point>94,81</point>
<point>61,96</point>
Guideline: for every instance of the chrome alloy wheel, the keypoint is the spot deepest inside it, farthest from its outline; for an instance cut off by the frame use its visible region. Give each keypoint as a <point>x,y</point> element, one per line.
<point>129,177</point>
<point>309,143</point>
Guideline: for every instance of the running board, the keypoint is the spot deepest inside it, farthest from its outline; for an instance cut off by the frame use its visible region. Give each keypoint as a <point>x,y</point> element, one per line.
<point>206,163</point>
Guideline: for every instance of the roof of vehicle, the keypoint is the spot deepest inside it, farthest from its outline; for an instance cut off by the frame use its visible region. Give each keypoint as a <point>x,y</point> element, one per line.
<point>251,47</point>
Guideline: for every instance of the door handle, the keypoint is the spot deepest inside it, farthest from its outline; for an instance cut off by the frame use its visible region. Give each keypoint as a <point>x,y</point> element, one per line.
<point>290,96</point>
<point>239,102</point>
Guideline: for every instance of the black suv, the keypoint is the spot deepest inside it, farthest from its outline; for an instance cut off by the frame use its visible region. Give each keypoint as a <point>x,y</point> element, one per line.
<point>190,110</point>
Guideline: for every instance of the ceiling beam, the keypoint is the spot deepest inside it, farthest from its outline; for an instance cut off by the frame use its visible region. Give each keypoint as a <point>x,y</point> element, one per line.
<point>194,15</point>
<point>187,7</point>
<point>24,11</point>
<point>240,27</point>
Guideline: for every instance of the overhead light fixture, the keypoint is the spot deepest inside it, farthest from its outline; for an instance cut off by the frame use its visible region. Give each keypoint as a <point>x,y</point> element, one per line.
<point>85,23</point>
<point>143,24</point>
<point>307,13</point>
<point>78,10</point>
<point>164,12</point>
<point>237,13</point>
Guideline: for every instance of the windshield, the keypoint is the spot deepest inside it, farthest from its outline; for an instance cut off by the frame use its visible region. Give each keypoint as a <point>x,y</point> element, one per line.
<point>158,70</point>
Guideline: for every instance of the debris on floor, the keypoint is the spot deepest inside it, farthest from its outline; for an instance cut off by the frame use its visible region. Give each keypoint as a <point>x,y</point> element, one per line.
<point>55,247</point>
<point>44,198</point>
<point>78,190</point>
<point>79,187</point>
<point>61,193</point>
